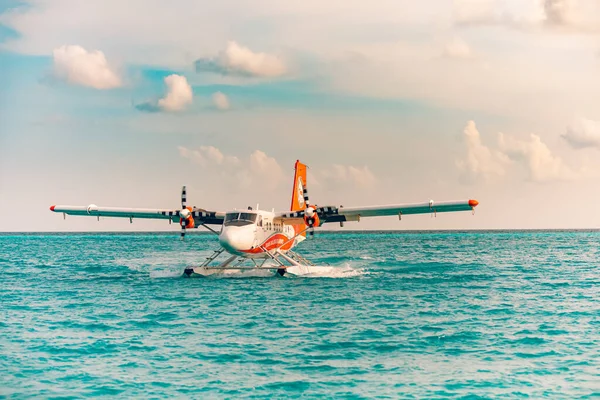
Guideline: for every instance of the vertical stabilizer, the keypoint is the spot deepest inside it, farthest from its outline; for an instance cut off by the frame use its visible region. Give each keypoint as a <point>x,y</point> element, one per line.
<point>299,187</point>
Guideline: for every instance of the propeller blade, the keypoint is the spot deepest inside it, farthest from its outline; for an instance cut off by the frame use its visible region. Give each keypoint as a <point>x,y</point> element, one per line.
<point>182,221</point>
<point>311,220</point>
<point>305,194</point>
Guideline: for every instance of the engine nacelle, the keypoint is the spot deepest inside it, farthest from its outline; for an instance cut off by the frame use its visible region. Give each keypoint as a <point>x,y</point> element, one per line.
<point>187,218</point>
<point>310,213</point>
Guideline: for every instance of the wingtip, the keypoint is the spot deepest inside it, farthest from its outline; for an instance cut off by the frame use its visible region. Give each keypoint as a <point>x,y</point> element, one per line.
<point>52,208</point>
<point>473,203</point>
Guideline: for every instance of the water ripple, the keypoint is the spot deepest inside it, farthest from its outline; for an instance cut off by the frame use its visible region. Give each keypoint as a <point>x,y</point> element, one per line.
<point>413,315</point>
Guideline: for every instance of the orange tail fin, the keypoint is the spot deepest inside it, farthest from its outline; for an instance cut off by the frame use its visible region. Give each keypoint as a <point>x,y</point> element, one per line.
<point>299,188</point>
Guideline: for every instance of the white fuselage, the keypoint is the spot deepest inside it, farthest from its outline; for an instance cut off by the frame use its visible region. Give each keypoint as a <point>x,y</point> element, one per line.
<point>255,233</point>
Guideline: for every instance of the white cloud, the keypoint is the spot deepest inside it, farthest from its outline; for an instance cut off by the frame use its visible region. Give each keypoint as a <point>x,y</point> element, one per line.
<point>179,94</point>
<point>339,175</point>
<point>220,101</point>
<point>78,66</point>
<point>261,165</point>
<point>574,15</point>
<point>208,156</point>
<point>178,97</point>
<point>497,12</point>
<point>240,60</point>
<point>537,74</point>
<point>557,11</point>
<point>523,78</point>
<point>543,165</point>
<point>481,161</point>
<point>257,170</point>
<point>583,134</point>
<point>457,48</point>
<point>581,16</point>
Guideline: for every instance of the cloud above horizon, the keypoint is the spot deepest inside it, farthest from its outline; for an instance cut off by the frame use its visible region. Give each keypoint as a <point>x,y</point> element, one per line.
<point>481,161</point>
<point>583,134</point>
<point>573,16</point>
<point>542,164</point>
<point>207,156</point>
<point>338,175</point>
<point>457,48</point>
<point>75,65</point>
<point>220,101</point>
<point>258,170</point>
<point>371,95</point>
<point>178,97</point>
<point>265,171</point>
<point>530,153</point>
<point>407,63</point>
<point>239,60</point>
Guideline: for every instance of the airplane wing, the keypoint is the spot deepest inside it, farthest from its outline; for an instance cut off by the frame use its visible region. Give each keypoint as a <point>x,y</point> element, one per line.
<point>200,216</point>
<point>342,214</point>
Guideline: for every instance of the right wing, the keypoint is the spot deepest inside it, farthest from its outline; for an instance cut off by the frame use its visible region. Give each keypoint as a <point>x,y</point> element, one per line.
<point>354,213</point>
<point>342,214</point>
<point>200,216</point>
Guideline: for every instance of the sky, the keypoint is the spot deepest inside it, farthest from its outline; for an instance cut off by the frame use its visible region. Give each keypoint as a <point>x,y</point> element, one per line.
<point>389,101</point>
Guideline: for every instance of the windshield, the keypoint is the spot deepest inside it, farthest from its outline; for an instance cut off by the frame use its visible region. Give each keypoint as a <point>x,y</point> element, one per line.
<point>239,219</point>
<point>231,216</point>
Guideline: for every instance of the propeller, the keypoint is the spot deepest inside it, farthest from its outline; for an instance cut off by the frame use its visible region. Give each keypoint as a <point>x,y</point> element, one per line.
<point>310,219</point>
<point>184,214</point>
<point>310,216</point>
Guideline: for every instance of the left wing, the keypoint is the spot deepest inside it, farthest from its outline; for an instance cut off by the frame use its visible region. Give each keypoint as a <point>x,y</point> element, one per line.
<point>200,216</point>
<point>342,214</point>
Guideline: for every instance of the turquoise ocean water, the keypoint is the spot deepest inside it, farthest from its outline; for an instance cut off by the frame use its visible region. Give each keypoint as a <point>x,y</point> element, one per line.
<point>422,315</point>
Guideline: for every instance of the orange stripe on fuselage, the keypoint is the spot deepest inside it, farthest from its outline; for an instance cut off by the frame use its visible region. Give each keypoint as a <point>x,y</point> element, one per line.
<point>276,241</point>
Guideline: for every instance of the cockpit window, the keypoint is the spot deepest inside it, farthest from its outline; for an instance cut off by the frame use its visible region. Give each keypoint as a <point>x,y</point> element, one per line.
<point>240,219</point>
<point>231,216</point>
<point>248,217</point>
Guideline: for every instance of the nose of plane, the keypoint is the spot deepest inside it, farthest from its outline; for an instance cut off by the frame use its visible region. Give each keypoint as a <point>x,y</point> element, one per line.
<point>236,238</point>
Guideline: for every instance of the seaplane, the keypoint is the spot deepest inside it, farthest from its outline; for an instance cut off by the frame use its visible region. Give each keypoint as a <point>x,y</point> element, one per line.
<point>263,240</point>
